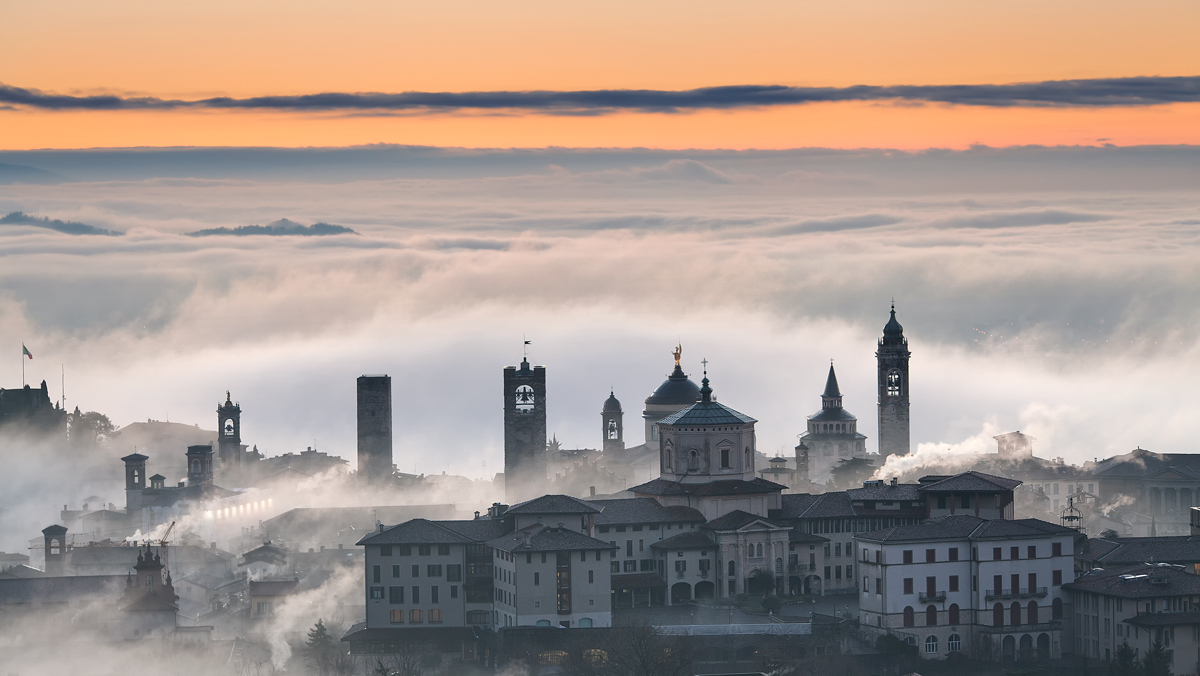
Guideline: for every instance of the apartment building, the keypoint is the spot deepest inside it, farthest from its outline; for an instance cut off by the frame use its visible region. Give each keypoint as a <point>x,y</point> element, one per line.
<point>1139,604</point>
<point>991,588</point>
<point>551,576</point>
<point>633,526</point>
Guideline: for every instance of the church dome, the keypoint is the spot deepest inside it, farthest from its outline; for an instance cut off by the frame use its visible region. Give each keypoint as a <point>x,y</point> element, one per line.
<point>676,390</point>
<point>612,404</point>
<point>893,328</point>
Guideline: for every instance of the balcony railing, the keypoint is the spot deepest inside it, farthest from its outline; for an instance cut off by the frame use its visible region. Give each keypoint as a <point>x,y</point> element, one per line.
<point>1015,593</point>
<point>934,597</point>
<point>1041,626</point>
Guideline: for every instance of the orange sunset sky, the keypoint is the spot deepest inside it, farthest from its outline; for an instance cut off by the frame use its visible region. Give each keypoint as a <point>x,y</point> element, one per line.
<point>190,50</point>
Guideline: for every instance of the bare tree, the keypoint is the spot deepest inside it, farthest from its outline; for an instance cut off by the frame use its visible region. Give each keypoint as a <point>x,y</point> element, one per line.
<point>633,650</point>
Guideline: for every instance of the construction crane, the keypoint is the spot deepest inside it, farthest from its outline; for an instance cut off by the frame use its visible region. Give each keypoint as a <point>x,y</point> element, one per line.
<point>162,543</point>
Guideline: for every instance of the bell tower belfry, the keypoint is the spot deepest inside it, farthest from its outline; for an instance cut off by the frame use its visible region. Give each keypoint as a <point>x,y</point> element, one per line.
<point>892,360</point>
<point>229,433</point>
<point>612,426</point>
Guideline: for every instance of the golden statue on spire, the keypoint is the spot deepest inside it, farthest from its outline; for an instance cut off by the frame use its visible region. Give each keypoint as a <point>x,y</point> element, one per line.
<point>678,352</point>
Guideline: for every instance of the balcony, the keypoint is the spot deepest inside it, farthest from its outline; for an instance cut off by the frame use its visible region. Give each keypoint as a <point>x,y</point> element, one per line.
<point>1053,625</point>
<point>1015,593</point>
<point>934,597</point>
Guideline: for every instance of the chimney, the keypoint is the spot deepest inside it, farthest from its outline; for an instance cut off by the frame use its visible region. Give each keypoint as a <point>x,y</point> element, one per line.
<point>894,481</point>
<point>592,491</point>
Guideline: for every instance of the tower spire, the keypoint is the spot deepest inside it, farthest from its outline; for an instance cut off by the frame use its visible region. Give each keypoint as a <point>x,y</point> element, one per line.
<point>705,390</point>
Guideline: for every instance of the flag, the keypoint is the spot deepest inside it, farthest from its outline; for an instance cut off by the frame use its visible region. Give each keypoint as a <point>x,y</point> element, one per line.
<point>526,342</point>
<point>25,351</point>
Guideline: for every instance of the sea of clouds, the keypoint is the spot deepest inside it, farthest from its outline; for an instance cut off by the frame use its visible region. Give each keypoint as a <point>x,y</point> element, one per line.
<point>1047,290</point>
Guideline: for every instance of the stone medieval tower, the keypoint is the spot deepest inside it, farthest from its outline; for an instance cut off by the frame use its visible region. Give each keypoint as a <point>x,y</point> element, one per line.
<point>892,358</point>
<point>375,428</point>
<point>613,426</point>
<point>524,430</point>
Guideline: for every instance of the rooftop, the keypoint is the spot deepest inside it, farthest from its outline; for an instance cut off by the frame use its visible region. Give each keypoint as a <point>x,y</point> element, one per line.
<point>706,413</point>
<point>689,540</point>
<point>642,510</point>
<point>730,487</point>
<point>553,504</point>
<point>543,538</point>
<point>970,482</point>
<point>1138,581</point>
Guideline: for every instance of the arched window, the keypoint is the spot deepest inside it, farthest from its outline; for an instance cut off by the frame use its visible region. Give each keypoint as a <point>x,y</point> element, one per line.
<point>693,461</point>
<point>747,465</point>
<point>1056,609</point>
<point>1032,612</point>
<point>931,645</point>
<point>229,427</point>
<point>954,643</point>
<point>195,466</point>
<point>415,616</point>
<point>893,383</point>
<point>998,615</point>
<point>909,617</point>
<point>731,569</point>
<point>585,623</point>
<point>953,614</point>
<point>931,616</point>
<point>525,398</point>
<point>612,429</point>
<point>1016,614</point>
<point>137,476</point>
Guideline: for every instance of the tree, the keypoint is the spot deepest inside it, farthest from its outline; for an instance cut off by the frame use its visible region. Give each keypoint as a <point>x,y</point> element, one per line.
<point>88,429</point>
<point>632,650</point>
<point>1109,534</point>
<point>320,651</point>
<point>1125,662</point>
<point>851,472</point>
<point>1155,662</point>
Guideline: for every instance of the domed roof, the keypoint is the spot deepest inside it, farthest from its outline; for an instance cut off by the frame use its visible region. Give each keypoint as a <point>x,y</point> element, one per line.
<point>677,389</point>
<point>612,405</point>
<point>892,331</point>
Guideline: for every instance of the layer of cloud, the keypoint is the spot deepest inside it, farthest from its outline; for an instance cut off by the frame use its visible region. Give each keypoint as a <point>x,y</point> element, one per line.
<point>1098,92</point>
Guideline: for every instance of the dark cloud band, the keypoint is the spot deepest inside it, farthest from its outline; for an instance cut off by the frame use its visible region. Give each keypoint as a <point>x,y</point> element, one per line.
<point>1133,91</point>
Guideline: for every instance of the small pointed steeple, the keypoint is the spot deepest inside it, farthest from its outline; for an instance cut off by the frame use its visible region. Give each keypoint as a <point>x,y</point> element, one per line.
<point>832,397</point>
<point>705,390</point>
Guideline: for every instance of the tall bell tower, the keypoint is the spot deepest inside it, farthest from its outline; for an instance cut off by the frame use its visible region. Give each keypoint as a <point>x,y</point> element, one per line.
<point>892,360</point>
<point>229,433</point>
<point>524,430</point>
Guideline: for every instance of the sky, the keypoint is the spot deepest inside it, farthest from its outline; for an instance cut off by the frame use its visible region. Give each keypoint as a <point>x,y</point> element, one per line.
<point>203,51</point>
<point>757,181</point>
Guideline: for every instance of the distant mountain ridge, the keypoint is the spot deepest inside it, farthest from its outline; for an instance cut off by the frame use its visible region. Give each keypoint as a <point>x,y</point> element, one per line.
<point>65,227</point>
<point>282,227</point>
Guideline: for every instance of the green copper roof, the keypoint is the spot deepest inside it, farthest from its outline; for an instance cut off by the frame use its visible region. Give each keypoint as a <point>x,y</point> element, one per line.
<point>707,413</point>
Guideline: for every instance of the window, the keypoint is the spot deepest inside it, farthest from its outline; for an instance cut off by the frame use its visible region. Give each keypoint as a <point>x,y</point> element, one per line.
<point>849,572</point>
<point>827,575</point>
<point>1033,551</point>
<point>415,616</point>
<point>837,549</point>
<point>1056,549</point>
<point>631,566</point>
<point>878,586</point>
<point>931,645</point>
<point>837,572</point>
<point>909,617</point>
<point>395,594</point>
<point>423,550</point>
<point>731,570</point>
<point>435,615</point>
<point>1014,553</point>
<point>724,458</point>
<point>396,571</point>
<point>603,529</point>
<point>1032,583</point>
<point>952,615</point>
<point>693,461</point>
<point>405,550</point>
<point>1056,577</point>
<point>953,554</point>
<point>416,570</point>
<point>908,557</point>
<point>931,616</point>
<point>615,567</point>
<point>374,573</point>
<point>647,565</point>
<point>681,567</point>
<point>930,556</point>
<point>477,617</point>
<point>996,553</point>
<point>704,566</point>
<point>537,578</point>
<point>433,570</point>
<point>998,584</point>
<point>454,572</point>
<point>416,594</point>
<point>433,594</point>
<point>591,576</point>
<point>966,502</point>
<point>376,593</point>
<point>629,548</point>
<point>1056,610</point>
<point>397,616</point>
<point>385,550</point>
<point>953,583</point>
<point>998,615</point>
<point>908,585</point>
<point>453,591</point>
<point>954,643</point>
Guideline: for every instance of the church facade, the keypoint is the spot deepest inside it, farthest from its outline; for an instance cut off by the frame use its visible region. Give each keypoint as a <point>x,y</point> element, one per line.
<point>831,436</point>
